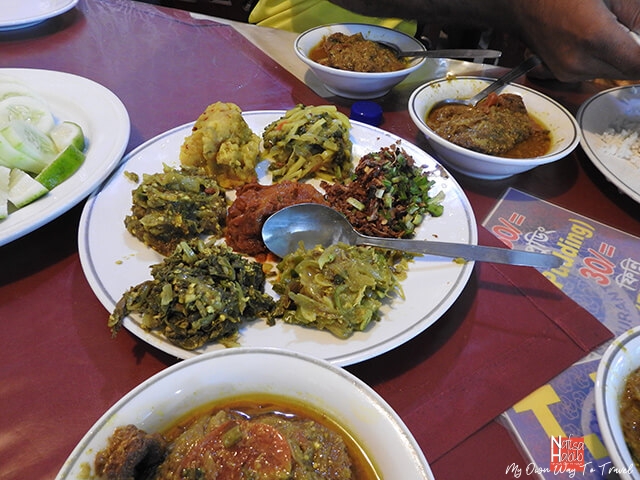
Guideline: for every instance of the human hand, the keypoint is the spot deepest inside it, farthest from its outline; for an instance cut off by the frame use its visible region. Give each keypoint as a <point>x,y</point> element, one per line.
<point>581,39</point>
<point>576,39</point>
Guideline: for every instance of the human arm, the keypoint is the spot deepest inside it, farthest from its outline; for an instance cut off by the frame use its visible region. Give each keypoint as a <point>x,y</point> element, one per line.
<point>577,39</point>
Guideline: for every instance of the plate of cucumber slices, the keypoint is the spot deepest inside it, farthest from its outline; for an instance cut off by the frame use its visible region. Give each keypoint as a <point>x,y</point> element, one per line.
<point>61,135</point>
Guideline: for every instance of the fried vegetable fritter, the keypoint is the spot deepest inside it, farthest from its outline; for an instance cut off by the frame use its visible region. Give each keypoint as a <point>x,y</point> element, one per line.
<point>223,144</point>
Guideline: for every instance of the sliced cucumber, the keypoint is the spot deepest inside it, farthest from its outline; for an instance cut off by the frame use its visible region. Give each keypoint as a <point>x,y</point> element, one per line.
<point>33,145</point>
<point>30,140</point>
<point>26,108</point>
<point>61,168</point>
<point>4,192</point>
<point>13,89</point>
<point>12,158</point>
<point>24,189</point>
<point>67,133</point>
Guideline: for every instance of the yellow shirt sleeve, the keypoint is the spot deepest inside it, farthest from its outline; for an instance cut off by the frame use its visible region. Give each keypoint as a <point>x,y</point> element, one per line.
<point>300,15</point>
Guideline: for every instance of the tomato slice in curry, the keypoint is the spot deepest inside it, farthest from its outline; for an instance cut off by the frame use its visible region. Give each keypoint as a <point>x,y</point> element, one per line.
<point>235,447</point>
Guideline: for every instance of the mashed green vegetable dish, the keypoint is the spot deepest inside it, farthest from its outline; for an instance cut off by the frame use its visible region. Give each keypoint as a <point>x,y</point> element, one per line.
<point>204,292</point>
<point>339,288</point>
<point>201,293</point>
<point>309,142</point>
<point>176,205</point>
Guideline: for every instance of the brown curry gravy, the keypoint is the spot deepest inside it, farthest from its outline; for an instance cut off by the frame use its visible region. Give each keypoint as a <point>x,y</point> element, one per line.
<point>536,144</point>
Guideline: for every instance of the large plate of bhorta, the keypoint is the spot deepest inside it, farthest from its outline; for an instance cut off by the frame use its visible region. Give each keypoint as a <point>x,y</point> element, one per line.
<point>113,260</point>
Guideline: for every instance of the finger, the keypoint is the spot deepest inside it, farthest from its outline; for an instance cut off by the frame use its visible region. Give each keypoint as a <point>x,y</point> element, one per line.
<point>616,56</point>
<point>627,12</point>
<point>624,53</point>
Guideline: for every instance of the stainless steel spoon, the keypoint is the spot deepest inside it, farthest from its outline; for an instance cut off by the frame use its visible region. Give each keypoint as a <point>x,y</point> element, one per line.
<point>315,224</point>
<point>516,72</point>
<point>443,53</point>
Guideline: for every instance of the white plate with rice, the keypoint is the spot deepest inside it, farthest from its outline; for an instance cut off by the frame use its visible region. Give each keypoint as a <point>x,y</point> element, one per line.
<point>610,124</point>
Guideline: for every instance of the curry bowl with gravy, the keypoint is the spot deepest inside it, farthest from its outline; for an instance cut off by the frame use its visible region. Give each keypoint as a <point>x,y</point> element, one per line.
<point>350,73</point>
<point>617,396</point>
<point>504,135</point>
<point>264,410</point>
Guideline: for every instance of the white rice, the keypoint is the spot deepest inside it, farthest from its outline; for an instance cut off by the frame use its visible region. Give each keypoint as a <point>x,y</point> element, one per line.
<point>623,141</point>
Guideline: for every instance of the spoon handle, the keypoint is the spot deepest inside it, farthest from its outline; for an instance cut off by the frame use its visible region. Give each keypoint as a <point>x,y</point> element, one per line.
<point>521,69</point>
<point>465,251</point>
<point>453,53</point>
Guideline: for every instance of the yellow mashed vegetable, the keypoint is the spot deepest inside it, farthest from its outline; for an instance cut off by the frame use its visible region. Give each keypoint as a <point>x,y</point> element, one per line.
<point>223,144</point>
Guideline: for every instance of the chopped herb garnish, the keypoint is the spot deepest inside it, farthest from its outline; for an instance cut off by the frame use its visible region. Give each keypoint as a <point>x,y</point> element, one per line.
<point>388,195</point>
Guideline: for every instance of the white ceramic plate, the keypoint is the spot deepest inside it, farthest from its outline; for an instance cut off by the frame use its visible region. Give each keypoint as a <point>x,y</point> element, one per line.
<point>25,13</point>
<point>620,359</point>
<point>113,260</point>
<point>105,122</point>
<point>178,390</point>
<point>600,113</point>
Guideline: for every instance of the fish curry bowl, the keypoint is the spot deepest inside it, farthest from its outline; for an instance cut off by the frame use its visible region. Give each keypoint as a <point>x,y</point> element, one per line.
<point>263,411</point>
<point>357,84</point>
<point>563,137</point>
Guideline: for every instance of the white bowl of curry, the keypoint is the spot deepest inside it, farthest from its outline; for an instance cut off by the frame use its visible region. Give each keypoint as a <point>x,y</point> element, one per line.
<point>265,411</point>
<point>617,401</point>
<point>347,60</point>
<point>506,134</point>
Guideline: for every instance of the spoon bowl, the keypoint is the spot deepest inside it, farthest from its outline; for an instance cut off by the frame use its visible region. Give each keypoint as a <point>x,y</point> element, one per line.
<point>315,224</point>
